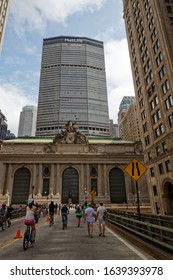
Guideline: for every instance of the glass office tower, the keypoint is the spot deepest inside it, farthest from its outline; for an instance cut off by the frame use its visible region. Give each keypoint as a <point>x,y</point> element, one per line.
<point>72,86</point>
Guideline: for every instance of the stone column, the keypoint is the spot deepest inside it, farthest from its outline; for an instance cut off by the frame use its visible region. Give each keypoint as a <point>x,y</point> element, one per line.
<point>82,184</point>
<point>99,180</point>
<point>105,179</point>
<point>9,187</point>
<point>34,178</point>
<point>2,177</point>
<point>88,183</point>
<point>52,180</point>
<point>58,184</point>
<point>40,180</point>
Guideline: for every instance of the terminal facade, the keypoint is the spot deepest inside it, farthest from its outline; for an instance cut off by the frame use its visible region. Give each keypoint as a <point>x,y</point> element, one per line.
<point>68,168</point>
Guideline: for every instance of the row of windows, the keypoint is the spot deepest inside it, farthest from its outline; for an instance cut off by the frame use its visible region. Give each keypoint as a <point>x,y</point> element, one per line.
<point>161,168</point>
<point>158,150</point>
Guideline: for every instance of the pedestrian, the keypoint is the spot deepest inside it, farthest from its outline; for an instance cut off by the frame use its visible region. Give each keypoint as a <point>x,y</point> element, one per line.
<point>90,214</point>
<point>51,212</point>
<point>78,213</point>
<point>84,208</point>
<point>101,217</point>
<point>20,211</point>
<point>9,214</point>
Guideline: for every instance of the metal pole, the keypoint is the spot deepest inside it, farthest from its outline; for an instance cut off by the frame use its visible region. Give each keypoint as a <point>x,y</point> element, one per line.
<point>138,205</point>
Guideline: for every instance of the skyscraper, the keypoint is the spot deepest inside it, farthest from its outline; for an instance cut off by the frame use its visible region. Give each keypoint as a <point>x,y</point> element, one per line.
<point>3,126</point>
<point>4,6</point>
<point>124,105</point>
<point>149,27</point>
<point>27,122</point>
<point>72,86</point>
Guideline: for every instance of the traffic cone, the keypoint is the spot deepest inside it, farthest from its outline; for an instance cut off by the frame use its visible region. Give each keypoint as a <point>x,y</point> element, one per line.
<point>18,234</point>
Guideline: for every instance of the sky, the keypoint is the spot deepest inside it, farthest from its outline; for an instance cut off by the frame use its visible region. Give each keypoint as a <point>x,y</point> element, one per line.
<point>29,21</point>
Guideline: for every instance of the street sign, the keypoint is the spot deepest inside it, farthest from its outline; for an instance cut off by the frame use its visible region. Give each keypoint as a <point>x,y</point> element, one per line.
<point>93,193</point>
<point>135,169</point>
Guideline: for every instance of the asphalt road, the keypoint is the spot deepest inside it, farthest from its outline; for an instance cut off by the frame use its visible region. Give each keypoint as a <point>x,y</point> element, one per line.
<point>54,243</point>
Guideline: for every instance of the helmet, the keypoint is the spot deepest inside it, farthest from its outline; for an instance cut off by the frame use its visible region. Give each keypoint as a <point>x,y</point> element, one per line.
<point>30,200</point>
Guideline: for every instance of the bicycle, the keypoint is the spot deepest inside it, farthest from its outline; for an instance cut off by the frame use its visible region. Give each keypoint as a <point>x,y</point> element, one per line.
<point>27,238</point>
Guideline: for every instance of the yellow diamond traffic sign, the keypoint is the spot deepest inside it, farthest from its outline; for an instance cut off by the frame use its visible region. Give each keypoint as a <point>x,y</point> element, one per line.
<point>93,193</point>
<point>135,169</point>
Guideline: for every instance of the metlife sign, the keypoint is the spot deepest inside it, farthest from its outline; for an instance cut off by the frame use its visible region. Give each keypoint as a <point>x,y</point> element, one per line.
<point>69,40</point>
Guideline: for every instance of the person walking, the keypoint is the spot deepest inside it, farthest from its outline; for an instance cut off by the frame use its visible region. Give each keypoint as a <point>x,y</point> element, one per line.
<point>78,213</point>
<point>84,208</point>
<point>101,217</point>
<point>9,214</point>
<point>51,212</point>
<point>90,214</point>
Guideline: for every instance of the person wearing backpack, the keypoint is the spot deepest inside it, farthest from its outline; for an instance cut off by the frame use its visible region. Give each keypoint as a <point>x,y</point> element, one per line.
<point>78,215</point>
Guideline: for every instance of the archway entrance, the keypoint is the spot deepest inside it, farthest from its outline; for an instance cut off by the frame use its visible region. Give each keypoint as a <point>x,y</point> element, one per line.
<point>21,186</point>
<point>168,190</point>
<point>70,186</point>
<point>117,186</point>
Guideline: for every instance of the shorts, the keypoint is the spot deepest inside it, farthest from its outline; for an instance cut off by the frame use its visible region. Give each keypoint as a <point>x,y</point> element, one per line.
<point>90,222</point>
<point>29,222</point>
<point>101,221</point>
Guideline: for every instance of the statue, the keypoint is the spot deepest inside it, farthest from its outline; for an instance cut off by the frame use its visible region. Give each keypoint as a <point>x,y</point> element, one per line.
<point>70,135</point>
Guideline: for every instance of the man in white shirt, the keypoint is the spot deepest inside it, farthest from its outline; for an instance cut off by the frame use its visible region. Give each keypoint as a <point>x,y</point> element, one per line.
<point>101,216</point>
<point>90,214</point>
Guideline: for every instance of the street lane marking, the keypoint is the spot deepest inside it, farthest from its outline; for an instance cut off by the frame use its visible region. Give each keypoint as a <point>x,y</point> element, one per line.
<point>142,256</point>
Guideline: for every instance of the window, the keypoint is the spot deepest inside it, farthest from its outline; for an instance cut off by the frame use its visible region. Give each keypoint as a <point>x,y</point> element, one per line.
<point>169,9</point>
<point>147,140</point>
<point>168,166</point>
<point>152,171</point>
<point>161,171</point>
<point>155,190</point>
<point>162,72</point>
<point>165,87</point>
<point>164,146</point>
<point>170,120</point>
<point>149,156</point>
<point>158,150</point>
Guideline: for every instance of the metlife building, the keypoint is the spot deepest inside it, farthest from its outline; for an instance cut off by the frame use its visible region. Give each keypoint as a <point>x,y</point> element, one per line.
<point>72,87</point>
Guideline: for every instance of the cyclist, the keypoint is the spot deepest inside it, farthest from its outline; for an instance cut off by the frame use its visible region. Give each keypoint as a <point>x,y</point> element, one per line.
<point>64,213</point>
<point>31,212</point>
<point>51,212</point>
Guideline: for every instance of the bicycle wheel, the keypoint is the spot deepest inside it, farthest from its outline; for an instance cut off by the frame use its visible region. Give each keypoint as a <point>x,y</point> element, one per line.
<point>25,241</point>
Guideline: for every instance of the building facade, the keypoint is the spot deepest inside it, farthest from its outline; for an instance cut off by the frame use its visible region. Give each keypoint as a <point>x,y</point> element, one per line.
<point>69,168</point>
<point>124,105</point>
<point>27,121</point>
<point>3,126</point>
<point>149,27</point>
<point>4,6</point>
<point>129,125</point>
<point>114,129</point>
<point>72,86</point>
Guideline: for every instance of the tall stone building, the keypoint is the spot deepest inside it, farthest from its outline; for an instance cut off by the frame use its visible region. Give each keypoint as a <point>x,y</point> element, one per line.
<point>72,86</point>
<point>149,27</point>
<point>124,105</point>
<point>4,6</point>
<point>129,125</point>
<point>3,126</point>
<point>27,121</point>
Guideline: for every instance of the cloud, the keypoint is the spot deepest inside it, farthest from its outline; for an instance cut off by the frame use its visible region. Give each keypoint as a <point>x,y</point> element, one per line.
<point>35,14</point>
<point>118,74</point>
<point>14,98</point>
